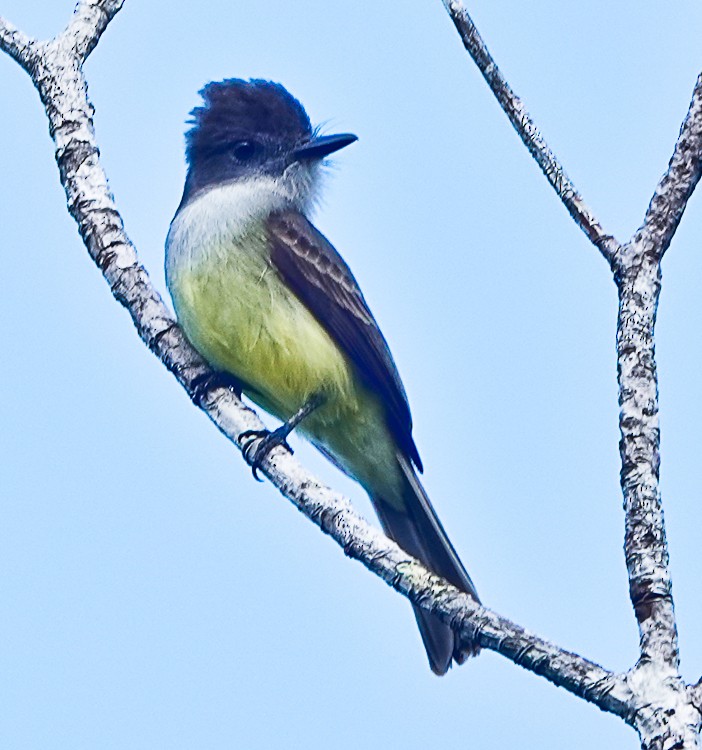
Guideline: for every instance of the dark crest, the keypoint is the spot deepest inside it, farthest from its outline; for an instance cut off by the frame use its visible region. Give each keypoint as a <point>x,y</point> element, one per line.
<point>234,109</point>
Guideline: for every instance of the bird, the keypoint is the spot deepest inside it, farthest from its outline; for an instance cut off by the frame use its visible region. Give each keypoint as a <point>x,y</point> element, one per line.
<point>270,304</point>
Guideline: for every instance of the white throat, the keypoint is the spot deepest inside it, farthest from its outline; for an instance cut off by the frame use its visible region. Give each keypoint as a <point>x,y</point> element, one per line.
<point>223,213</point>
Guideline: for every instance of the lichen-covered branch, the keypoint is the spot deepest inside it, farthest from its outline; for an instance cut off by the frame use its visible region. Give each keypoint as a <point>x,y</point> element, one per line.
<point>528,132</point>
<point>637,269</point>
<point>677,184</point>
<point>17,44</point>
<point>645,545</point>
<point>90,19</point>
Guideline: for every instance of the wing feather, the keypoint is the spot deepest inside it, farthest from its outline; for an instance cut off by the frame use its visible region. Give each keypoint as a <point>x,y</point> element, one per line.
<point>320,278</point>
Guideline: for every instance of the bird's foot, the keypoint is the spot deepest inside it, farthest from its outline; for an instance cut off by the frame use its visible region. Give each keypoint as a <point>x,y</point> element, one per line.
<point>203,384</point>
<point>257,444</point>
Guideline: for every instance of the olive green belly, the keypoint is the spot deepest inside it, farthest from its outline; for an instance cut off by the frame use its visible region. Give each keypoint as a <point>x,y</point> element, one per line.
<point>242,318</point>
<point>245,321</point>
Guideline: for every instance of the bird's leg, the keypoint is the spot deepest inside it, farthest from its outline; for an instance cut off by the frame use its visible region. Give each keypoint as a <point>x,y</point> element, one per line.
<point>203,384</point>
<point>257,444</point>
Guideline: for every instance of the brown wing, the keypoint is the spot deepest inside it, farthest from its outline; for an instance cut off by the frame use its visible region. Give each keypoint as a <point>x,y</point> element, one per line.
<point>318,275</point>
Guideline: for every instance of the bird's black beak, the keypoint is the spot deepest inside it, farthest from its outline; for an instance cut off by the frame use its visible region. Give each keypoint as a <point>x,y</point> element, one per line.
<point>323,145</point>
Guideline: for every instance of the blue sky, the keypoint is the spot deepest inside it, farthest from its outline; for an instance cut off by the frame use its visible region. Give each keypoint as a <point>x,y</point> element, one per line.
<point>153,595</point>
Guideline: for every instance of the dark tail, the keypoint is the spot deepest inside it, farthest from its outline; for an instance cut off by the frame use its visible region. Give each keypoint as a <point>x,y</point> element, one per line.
<point>417,529</point>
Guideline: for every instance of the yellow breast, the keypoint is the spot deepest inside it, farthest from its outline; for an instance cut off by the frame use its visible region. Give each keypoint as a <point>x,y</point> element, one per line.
<point>244,320</point>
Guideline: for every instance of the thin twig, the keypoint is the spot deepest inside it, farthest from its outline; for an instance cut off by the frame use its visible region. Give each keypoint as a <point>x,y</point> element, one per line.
<point>17,44</point>
<point>528,132</point>
<point>677,184</point>
<point>89,21</point>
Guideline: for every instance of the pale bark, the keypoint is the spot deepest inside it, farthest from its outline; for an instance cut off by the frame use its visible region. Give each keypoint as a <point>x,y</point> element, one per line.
<point>652,696</point>
<point>637,270</point>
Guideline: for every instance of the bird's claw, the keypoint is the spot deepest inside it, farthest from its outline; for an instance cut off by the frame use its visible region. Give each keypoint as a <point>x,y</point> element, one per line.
<point>203,384</point>
<point>257,444</point>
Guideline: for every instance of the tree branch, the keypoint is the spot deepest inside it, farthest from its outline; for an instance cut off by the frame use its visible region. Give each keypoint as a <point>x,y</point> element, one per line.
<point>363,542</point>
<point>528,132</point>
<point>637,269</point>
<point>90,19</point>
<point>677,184</point>
<point>650,587</point>
<point>667,712</point>
<point>637,272</point>
<point>20,47</point>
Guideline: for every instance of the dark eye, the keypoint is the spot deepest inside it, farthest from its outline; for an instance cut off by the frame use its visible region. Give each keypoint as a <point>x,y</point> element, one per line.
<point>245,150</point>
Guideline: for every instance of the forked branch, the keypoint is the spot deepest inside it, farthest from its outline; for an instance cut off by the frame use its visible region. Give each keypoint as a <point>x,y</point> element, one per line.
<point>673,718</point>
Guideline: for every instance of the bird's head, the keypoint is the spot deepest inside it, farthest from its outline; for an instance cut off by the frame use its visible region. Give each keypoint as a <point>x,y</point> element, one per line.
<point>249,129</point>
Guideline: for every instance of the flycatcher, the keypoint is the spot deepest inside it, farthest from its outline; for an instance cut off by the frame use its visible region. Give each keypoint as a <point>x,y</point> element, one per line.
<point>267,300</point>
